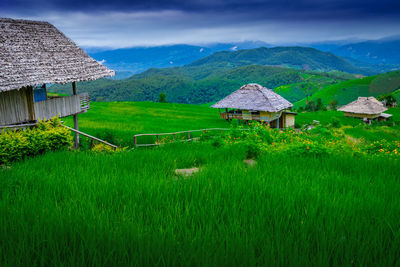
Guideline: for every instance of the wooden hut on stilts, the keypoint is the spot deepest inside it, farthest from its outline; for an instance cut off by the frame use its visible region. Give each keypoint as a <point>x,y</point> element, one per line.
<point>33,54</point>
<point>255,102</point>
<point>366,108</point>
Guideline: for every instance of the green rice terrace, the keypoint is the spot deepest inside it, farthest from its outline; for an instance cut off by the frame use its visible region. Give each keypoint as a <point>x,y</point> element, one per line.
<point>249,196</point>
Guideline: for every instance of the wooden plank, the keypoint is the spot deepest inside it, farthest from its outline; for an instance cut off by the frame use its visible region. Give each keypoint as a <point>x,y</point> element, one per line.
<point>14,107</point>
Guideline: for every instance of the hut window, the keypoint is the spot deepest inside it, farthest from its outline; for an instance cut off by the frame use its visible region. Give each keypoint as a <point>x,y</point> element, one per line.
<point>39,94</point>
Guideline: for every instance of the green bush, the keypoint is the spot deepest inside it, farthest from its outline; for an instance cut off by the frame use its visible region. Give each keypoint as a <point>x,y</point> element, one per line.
<point>46,136</point>
<point>335,122</point>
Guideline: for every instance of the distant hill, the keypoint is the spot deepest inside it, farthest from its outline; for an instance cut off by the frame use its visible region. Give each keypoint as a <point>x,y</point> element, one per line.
<point>347,91</point>
<point>382,51</point>
<point>138,59</point>
<point>294,57</point>
<point>197,85</point>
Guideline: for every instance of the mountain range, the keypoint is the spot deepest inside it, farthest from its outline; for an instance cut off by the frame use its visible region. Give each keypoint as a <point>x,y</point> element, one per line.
<point>373,56</point>
<point>138,59</point>
<point>213,77</point>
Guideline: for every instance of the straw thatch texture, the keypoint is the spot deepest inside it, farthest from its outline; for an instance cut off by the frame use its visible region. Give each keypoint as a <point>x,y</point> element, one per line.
<point>364,105</point>
<point>34,53</point>
<point>255,97</point>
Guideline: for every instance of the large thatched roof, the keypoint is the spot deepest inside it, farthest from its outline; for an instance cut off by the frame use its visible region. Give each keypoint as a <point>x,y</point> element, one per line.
<point>33,52</point>
<point>364,105</point>
<point>255,97</point>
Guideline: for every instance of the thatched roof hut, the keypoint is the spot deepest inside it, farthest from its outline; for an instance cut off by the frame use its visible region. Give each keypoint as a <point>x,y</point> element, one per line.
<point>254,97</point>
<point>368,108</point>
<point>255,102</point>
<point>33,52</point>
<point>36,53</point>
<point>364,105</point>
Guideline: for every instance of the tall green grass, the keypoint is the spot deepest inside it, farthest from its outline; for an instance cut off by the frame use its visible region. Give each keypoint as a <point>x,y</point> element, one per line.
<point>118,122</point>
<point>74,209</point>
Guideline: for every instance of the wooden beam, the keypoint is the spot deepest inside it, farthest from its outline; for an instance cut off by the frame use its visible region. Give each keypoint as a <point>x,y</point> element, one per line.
<point>92,137</point>
<point>76,122</point>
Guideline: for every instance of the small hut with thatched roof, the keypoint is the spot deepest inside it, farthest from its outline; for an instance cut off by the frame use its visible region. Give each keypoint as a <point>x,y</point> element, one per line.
<point>366,108</point>
<point>33,54</point>
<point>255,102</point>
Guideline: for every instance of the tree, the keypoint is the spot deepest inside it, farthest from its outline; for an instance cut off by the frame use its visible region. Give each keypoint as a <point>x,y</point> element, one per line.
<point>320,105</point>
<point>333,104</point>
<point>162,98</point>
<point>387,99</point>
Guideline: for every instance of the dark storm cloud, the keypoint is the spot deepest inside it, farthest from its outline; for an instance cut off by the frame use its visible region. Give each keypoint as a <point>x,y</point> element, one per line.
<point>121,23</point>
<point>285,9</point>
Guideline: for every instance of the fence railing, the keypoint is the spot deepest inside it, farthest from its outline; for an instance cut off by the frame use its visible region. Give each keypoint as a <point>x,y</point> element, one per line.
<point>187,135</point>
<point>84,100</point>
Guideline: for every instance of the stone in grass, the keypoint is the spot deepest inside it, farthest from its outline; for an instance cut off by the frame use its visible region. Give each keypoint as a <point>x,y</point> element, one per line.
<point>186,172</point>
<point>250,162</point>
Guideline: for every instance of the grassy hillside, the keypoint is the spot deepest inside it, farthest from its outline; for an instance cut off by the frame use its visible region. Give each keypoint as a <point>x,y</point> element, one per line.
<point>197,85</point>
<point>310,84</point>
<point>347,91</point>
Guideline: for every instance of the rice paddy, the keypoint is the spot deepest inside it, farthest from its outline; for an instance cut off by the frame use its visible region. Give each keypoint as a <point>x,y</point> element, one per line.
<point>131,208</point>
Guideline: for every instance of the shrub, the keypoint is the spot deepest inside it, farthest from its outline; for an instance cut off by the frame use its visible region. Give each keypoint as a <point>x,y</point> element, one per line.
<point>106,148</point>
<point>253,150</point>
<point>46,136</point>
<point>335,122</point>
<point>217,142</point>
<point>162,98</point>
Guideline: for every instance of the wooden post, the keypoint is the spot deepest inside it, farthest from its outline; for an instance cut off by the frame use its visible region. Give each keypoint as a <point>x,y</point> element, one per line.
<point>157,138</point>
<point>226,113</point>
<point>188,135</point>
<point>76,122</point>
<point>45,90</point>
<point>135,140</point>
<point>30,102</point>
<point>174,136</point>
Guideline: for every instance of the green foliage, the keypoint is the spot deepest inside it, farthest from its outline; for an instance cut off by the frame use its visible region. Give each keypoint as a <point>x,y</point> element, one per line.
<point>315,106</point>
<point>383,148</point>
<point>333,104</point>
<point>336,122</point>
<point>46,136</point>
<point>162,98</point>
<point>388,99</point>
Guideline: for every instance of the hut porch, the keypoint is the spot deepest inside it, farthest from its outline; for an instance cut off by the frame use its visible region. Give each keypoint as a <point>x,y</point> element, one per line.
<point>28,107</point>
<point>276,120</point>
<point>62,106</point>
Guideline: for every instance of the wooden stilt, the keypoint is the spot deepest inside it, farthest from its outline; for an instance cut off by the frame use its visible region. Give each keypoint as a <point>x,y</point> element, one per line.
<point>76,122</point>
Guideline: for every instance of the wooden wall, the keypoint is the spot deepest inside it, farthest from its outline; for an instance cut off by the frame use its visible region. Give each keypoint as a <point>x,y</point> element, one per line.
<point>16,106</point>
<point>289,119</point>
<point>357,115</point>
<point>62,106</point>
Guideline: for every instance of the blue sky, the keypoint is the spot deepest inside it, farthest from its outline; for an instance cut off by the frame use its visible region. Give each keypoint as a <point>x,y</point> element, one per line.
<point>122,23</point>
